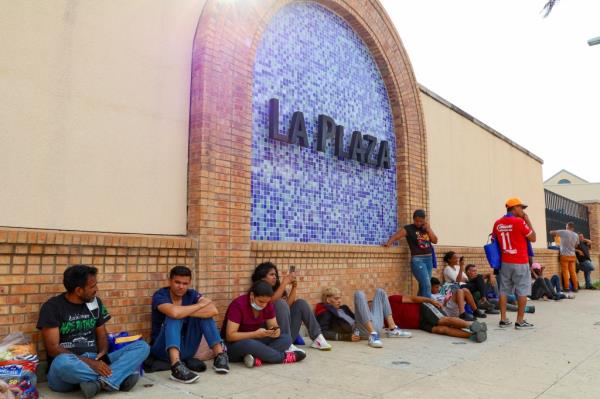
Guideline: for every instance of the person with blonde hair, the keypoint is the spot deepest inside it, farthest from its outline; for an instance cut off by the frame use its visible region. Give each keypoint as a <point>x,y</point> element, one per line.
<point>339,323</point>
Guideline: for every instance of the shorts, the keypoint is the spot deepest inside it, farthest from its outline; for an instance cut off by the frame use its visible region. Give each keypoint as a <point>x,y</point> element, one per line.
<point>451,308</point>
<point>430,317</point>
<point>515,279</point>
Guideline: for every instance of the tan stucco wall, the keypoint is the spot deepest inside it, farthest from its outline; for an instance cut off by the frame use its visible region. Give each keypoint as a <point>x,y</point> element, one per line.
<point>471,173</point>
<point>94,105</point>
<point>577,192</point>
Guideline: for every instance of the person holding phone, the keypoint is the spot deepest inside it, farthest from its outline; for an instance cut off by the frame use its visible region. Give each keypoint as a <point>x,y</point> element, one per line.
<point>251,331</point>
<point>420,237</point>
<point>290,310</point>
<point>512,232</point>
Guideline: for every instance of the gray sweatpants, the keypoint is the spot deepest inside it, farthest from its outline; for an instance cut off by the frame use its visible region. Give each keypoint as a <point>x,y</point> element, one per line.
<point>291,318</point>
<point>376,314</point>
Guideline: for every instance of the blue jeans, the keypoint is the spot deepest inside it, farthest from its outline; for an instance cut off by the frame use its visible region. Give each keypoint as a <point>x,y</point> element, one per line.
<point>422,269</point>
<point>555,281</point>
<point>68,371</point>
<point>587,267</point>
<point>171,337</point>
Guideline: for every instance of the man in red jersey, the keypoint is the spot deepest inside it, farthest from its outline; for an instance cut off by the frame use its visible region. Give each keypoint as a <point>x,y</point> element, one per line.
<point>512,232</point>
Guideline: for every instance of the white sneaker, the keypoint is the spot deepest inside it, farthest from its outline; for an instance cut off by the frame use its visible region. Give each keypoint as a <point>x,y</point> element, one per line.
<point>294,348</point>
<point>321,344</point>
<point>375,341</point>
<point>398,333</point>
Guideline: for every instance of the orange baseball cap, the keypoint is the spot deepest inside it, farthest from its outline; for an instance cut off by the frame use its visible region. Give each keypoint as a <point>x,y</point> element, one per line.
<point>515,201</point>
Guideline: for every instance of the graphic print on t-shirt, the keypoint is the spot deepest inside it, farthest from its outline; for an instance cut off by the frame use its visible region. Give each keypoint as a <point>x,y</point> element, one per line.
<point>78,333</point>
<point>423,240</point>
<point>76,323</point>
<point>511,233</point>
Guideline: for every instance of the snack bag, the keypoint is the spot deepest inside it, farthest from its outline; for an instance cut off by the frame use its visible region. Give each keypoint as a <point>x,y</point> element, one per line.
<point>18,366</point>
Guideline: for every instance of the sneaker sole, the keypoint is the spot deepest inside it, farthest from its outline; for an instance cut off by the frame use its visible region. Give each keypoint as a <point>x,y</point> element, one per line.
<point>504,325</point>
<point>399,336</point>
<point>321,348</point>
<point>185,382</point>
<point>524,328</point>
<point>376,346</point>
<point>220,370</point>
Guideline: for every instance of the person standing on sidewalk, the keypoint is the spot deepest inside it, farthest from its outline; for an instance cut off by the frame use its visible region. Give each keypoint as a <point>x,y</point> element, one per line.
<point>420,237</point>
<point>585,261</point>
<point>569,240</point>
<point>512,232</point>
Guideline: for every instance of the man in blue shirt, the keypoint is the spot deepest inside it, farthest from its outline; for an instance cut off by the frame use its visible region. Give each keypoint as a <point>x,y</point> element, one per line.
<point>181,316</point>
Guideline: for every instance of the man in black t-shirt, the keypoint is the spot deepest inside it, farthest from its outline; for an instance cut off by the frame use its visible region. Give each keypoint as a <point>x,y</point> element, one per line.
<point>420,238</point>
<point>585,261</point>
<point>76,340</point>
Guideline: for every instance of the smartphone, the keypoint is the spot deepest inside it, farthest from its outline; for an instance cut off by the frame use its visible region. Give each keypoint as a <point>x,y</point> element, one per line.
<point>292,269</point>
<point>462,258</point>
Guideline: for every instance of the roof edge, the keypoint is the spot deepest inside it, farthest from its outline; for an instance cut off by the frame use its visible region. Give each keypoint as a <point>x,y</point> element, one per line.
<point>479,123</point>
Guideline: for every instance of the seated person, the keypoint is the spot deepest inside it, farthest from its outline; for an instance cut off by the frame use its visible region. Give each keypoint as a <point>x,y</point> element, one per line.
<point>251,331</point>
<point>181,316</point>
<point>339,323</point>
<point>415,312</point>
<point>477,284</point>
<point>454,269</point>
<point>585,261</point>
<point>74,333</point>
<point>542,287</point>
<point>290,311</point>
<point>453,301</point>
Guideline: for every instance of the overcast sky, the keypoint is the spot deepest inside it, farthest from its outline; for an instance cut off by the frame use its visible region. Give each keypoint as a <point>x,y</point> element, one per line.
<point>533,79</point>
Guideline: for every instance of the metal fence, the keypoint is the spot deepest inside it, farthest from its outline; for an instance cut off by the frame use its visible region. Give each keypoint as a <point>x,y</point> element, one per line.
<point>561,210</point>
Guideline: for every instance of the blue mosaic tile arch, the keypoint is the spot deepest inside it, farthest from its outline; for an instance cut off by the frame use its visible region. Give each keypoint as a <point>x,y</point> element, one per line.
<point>312,61</point>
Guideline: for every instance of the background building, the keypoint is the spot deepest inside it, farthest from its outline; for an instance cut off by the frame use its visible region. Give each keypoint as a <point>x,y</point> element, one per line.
<point>574,187</point>
<point>135,137</point>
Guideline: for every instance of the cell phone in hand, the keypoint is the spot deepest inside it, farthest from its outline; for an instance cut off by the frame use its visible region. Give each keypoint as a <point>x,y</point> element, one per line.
<point>275,328</point>
<point>292,269</point>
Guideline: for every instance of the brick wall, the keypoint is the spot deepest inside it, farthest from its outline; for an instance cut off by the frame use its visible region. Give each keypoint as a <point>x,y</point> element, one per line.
<point>594,215</point>
<point>219,173</point>
<point>130,269</point>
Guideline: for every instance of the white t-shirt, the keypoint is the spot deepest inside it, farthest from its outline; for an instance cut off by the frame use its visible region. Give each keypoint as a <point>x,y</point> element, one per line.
<point>451,274</point>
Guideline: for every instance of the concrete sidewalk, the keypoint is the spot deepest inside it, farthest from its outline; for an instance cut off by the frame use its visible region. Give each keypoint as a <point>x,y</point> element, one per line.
<point>559,359</point>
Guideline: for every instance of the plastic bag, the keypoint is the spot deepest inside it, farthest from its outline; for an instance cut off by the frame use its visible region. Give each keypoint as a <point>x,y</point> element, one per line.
<point>18,366</point>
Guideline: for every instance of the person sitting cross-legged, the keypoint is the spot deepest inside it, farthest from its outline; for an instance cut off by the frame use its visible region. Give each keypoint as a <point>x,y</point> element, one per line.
<point>291,311</point>
<point>339,323</point>
<point>416,312</point>
<point>454,299</point>
<point>251,331</point>
<point>76,340</point>
<point>181,316</point>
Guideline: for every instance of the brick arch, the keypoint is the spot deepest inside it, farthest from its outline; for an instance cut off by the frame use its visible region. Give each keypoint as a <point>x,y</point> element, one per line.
<point>219,168</point>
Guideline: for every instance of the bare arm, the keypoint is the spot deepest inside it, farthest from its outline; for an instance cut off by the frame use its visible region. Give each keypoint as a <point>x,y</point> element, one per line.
<point>400,234</point>
<point>292,295</point>
<point>432,236</point>
<point>102,341</point>
<point>233,334</point>
<point>420,299</point>
<point>203,309</point>
<point>532,236</point>
<point>278,294</point>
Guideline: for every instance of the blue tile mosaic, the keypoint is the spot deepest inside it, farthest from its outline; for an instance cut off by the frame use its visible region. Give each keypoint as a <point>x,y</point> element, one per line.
<point>313,61</point>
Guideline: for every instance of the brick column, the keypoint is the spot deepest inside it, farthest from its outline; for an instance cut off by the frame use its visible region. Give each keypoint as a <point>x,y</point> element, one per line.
<point>594,214</point>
